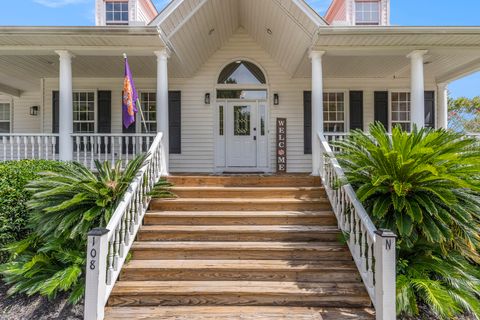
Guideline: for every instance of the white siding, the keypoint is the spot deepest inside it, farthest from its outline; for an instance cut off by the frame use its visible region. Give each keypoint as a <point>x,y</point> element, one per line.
<point>198,147</point>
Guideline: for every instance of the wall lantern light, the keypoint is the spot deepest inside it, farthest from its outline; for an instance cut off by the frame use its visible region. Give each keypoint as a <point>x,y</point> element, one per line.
<point>207,98</point>
<point>34,110</point>
<point>276,99</point>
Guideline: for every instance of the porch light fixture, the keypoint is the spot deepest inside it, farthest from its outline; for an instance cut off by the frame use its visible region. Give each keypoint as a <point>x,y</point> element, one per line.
<point>207,98</point>
<point>34,110</point>
<point>276,99</point>
<point>269,31</point>
<point>211,31</point>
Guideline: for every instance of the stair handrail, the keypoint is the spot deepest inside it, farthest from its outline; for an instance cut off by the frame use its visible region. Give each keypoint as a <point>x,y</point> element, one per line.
<point>108,248</point>
<point>373,249</point>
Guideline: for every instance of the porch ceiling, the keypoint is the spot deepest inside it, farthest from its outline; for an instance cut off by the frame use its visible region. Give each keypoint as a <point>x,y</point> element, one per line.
<point>195,29</point>
<point>27,54</point>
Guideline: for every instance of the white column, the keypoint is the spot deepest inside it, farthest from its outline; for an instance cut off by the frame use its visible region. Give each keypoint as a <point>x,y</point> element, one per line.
<point>66,106</point>
<point>317,108</point>
<point>417,105</point>
<point>162,105</point>
<point>442,109</point>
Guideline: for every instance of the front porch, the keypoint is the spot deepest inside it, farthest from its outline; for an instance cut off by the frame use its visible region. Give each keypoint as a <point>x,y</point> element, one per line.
<point>65,102</point>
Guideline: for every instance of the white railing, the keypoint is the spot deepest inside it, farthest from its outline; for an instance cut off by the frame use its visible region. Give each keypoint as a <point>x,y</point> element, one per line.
<point>108,248</point>
<point>89,147</point>
<point>18,146</point>
<point>373,250</point>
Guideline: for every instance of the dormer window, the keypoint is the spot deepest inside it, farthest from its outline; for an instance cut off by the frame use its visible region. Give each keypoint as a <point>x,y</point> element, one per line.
<point>367,13</point>
<point>116,12</point>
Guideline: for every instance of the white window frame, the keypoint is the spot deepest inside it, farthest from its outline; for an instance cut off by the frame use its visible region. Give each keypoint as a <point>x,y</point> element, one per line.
<point>10,115</point>
<point>368,23</point>
<point>346,110</point>
<point>117,22</point>
<point>390,108</point>
<point>139,122</point>
<point>95,107</point>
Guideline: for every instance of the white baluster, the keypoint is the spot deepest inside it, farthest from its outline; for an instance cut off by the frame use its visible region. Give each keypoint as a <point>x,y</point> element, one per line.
<point>4,142</point>
<point>85,150</point>
<point>25,147</point>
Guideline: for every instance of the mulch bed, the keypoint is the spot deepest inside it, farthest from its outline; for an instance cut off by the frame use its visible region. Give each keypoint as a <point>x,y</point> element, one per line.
<point>22,307</point>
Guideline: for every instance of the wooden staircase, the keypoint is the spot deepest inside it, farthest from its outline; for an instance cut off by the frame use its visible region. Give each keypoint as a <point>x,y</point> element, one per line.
<point>240,247</point>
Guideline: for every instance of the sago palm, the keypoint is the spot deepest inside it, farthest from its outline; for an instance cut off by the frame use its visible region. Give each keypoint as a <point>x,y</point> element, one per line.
<point>65,205</point>
<point>421,185</point>
<point>425,186</point>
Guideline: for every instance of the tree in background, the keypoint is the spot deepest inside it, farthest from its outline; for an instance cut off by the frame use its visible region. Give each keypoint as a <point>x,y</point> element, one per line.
<point>464,114</point>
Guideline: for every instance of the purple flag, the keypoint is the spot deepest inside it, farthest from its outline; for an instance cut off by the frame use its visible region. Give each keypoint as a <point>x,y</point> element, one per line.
<point>130,98</point>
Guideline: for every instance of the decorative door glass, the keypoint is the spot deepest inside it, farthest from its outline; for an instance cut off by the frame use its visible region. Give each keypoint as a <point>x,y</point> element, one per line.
<point>241,120</point>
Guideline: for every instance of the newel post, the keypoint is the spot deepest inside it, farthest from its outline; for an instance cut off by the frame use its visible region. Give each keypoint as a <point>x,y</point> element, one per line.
<point>96,272</point>
<point>385,275</point>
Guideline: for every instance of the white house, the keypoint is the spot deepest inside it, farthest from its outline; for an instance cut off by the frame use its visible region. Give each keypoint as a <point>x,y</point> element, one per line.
<point>227,86</point>
<point>227,69</point>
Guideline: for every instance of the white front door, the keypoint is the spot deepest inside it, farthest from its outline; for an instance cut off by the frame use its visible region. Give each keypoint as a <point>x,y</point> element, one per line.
<point>241,129</point>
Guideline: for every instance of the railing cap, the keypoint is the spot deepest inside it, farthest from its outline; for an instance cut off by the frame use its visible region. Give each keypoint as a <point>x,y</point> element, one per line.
<point>98,232</point>
<point>385,233</point>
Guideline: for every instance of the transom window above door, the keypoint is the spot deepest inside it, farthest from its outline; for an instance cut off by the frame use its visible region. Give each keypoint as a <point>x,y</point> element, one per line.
<point>242,72</point>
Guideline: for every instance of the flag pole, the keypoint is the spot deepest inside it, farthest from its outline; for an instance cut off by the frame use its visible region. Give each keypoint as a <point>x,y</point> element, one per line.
<point>139,105</point>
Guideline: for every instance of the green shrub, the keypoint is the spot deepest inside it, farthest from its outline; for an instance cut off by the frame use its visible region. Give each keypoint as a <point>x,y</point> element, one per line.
<point>64,205</point>
<point>14,175</point>
<point>424,186</point>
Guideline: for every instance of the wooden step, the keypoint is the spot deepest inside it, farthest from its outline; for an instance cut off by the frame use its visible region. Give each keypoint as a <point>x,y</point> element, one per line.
<point>215,218</point>
<point>218,250</point>
<point>244,270</point>
<point>221,204</point>
<point>237,313</point>
<point>291,180</point>
<point>239,233</point>
<point>249,192</point>
<point>238,293</point>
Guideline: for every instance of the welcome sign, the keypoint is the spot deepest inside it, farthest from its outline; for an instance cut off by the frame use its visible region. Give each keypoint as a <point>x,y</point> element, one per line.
<point>281,145</point>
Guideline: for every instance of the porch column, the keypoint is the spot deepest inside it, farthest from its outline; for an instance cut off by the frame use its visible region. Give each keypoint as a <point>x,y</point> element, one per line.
<point>162,105</point>
<point>442,110</point>
<point>66,106</point>
<point>317,108</point>
<point>417,104</point>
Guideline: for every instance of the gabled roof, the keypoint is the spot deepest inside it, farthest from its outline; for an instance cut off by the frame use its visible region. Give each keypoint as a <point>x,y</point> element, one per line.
<point>195,29</point>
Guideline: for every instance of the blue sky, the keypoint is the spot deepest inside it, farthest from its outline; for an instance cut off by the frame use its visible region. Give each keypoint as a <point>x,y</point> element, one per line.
<point>425,13</point>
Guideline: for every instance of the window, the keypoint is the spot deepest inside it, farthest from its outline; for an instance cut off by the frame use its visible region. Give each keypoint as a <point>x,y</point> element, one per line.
<point>242,72</point>
<point>116,12</point>
<point>242,94</point>
<point>83,112</point>
<point>4,117</point>
<point>148,101</point>
<point>334,112</point>
<point>367,12</point>
<point>401,110</point>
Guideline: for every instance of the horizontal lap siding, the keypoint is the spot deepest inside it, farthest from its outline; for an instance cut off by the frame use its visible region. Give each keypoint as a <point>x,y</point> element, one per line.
<point>197,131</point>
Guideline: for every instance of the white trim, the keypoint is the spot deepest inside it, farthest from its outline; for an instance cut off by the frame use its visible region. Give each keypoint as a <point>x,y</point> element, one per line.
<point>10,114</point>
<point>215,102</point>
<point>95,107</point>
<point>346,103</point>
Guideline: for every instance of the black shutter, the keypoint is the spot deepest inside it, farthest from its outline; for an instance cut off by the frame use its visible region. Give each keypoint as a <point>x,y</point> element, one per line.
<point>356,110</point>
<point>430,109</point>
<point>175,121</point>
<point>381,107</point>
<point>104,116</point>
<point>307,122</point>
<point>56,116</point>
